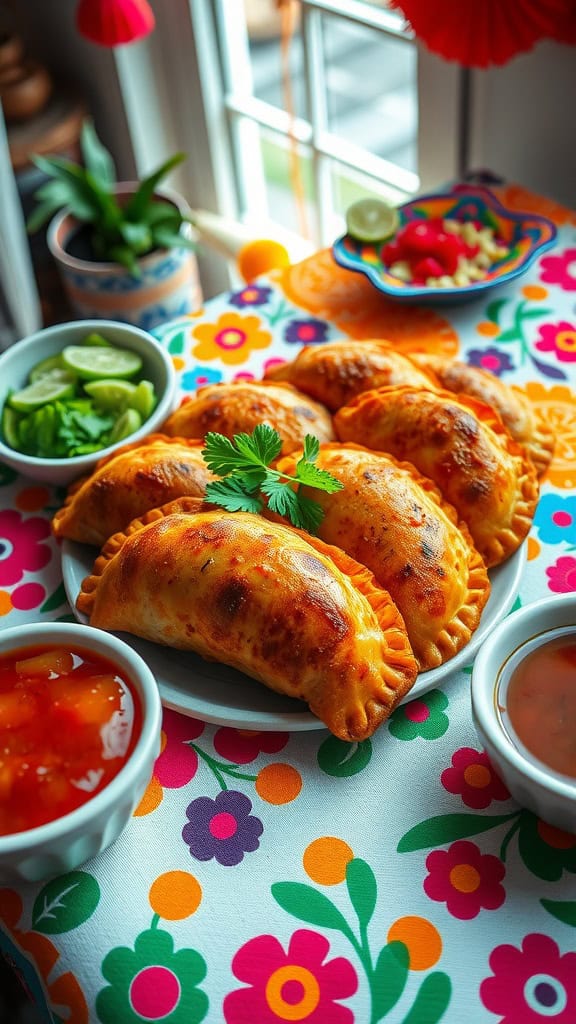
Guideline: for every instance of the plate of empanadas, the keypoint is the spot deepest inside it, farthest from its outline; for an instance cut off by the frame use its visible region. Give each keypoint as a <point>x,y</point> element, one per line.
<point>247,620</point>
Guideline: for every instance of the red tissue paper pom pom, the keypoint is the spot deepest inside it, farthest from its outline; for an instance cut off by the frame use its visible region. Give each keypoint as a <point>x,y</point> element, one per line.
<point>479,33</point>
<point>113,22</point>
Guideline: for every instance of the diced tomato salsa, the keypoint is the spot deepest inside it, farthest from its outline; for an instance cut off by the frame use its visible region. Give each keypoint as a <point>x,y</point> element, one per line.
<point>68,723</point>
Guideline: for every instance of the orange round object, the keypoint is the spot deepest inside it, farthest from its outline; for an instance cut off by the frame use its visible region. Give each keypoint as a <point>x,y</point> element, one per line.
<point>260,256</point>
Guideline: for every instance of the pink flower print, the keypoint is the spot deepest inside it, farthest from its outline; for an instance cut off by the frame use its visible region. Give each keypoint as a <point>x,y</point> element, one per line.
<point>298,985</point>
<point>559,338</point>
<point>473,778</point>
<point>465,880</point>
<point>21,549</point>
<point>562,575</point>
<point>531,985</point>
<point>178,762</point>
<point>243,745</point>
<point>560,270</point>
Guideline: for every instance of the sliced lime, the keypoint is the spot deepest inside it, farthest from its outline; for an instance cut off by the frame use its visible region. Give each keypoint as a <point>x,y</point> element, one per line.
<point>126,424</point>
<point>95,340</point>
<point>144,398</point>
<point>111,394</point>
<point>47,389</point>
<point>10,424</point>
<point>93,363</point>
<point>371,220</point>
<point>45,367</point>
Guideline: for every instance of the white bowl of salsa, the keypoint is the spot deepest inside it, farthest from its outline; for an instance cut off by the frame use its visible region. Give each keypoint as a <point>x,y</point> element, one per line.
<point>524,706</point>
<point>80,721</point>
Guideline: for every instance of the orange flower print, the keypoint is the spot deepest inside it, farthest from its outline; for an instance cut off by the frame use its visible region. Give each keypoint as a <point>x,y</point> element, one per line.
<point>557,406</point>
<point>351,303</point>
<point>231,339</point>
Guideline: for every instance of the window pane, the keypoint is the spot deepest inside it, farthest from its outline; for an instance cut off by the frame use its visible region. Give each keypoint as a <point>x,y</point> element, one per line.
<point>371,90</point>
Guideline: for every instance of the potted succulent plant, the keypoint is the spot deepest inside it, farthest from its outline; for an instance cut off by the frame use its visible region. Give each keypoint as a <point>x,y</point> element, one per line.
<point>124,250</point>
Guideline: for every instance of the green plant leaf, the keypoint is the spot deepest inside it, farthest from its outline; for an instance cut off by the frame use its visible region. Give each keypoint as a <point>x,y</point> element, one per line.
<point>362,889</point>
<point>137,236</point>
<point>563,910</point>
<point>432,1000</point>
<point>65,903</point>
<point>341,759</point>
<point>164,238</point>
<point>307,904</point>
<point>141,199</point>
<point>232,496</point>
<point>96,157</point>
<point>389,979</point>
<point>447,827</point>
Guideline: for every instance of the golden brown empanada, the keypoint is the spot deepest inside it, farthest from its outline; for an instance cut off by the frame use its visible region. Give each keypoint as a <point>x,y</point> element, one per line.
<point>395,521</point>
<point>463,446</point>
<point>287,609</point>
<point>238,407</point>
<point>337,371</point>
<point>513,406</point>
<point>134,478</point>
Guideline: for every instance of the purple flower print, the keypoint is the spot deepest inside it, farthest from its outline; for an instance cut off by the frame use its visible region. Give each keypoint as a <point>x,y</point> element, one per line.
<point>250,295</point>
<point>222,829</point>
<point>560,270</point>
<point>491,359</point>
<point>306,332</point>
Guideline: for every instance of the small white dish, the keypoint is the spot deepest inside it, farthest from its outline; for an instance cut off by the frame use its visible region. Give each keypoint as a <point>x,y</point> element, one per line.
<point>17,361</point>
<point>216,693</point>
<point>66,842</point>
<point>534,784</point>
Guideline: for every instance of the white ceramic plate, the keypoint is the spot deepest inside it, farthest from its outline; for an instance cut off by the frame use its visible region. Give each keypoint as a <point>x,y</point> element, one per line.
<point>215,693</point>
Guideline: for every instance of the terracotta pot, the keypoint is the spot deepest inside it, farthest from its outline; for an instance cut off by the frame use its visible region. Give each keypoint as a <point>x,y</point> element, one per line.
<point>168,287</point>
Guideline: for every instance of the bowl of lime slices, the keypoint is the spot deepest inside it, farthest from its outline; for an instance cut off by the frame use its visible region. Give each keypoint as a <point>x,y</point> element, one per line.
<point>71,393</point>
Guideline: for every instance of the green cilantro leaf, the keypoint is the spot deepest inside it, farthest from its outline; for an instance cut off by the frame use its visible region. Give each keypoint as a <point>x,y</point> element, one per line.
<point>244,464</point>
<point>232,495</point>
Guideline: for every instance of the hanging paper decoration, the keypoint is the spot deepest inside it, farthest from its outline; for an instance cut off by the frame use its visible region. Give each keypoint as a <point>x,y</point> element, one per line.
<point>114,22</point>
<point>480,33</point>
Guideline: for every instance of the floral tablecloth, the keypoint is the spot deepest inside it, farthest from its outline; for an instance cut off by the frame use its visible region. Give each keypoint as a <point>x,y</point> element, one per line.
<point>272,877</point>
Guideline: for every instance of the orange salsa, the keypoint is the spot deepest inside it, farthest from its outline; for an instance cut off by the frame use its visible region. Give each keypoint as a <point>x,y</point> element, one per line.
<point>68,723</point>
<point>541,703</point>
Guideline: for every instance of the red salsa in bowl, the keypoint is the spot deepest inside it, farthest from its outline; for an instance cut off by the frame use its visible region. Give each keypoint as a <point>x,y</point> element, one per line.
<point>69,722</point>
<point>538,702</point>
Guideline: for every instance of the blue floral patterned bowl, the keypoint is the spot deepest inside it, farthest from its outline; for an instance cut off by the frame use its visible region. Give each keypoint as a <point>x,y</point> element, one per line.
<point>526,236</point>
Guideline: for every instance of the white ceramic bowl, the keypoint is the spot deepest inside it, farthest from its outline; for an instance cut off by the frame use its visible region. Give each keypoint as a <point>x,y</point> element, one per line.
<point>550,794</point>
<point>17,360</point>
<point>62,845</point>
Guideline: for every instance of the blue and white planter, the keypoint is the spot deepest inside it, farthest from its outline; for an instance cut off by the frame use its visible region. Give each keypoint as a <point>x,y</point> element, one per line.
<point>169,285</point>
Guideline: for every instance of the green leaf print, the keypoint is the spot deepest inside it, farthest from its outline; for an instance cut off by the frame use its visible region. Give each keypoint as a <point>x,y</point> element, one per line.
<point>432,1000</point>
<point>55,600</point>
<point>341,759</point>
<point>563,910</point>
<point>307,904</point>
<point>362,889</point>
<point>389,978</point>
<point>176,344</point>
<point>447,827</point>
<point>494,308</point>
<point>65,903</point>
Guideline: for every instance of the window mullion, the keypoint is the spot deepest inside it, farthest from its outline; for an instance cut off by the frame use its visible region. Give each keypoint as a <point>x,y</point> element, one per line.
<point>315,78</point>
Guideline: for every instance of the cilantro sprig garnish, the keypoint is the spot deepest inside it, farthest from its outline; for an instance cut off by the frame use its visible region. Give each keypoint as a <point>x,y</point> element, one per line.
<point>249,483</point>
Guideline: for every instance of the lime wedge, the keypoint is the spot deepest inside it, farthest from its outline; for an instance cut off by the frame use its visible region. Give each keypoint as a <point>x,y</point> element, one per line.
<point>371,220</point>
<point>126,424</point>
<point>93,363</point>
<point>111,394</point>
<point>47,389</point>
<point>46,366</point>
<point>144,398</point>
<point>96,340</point>
<point>10,432</point>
